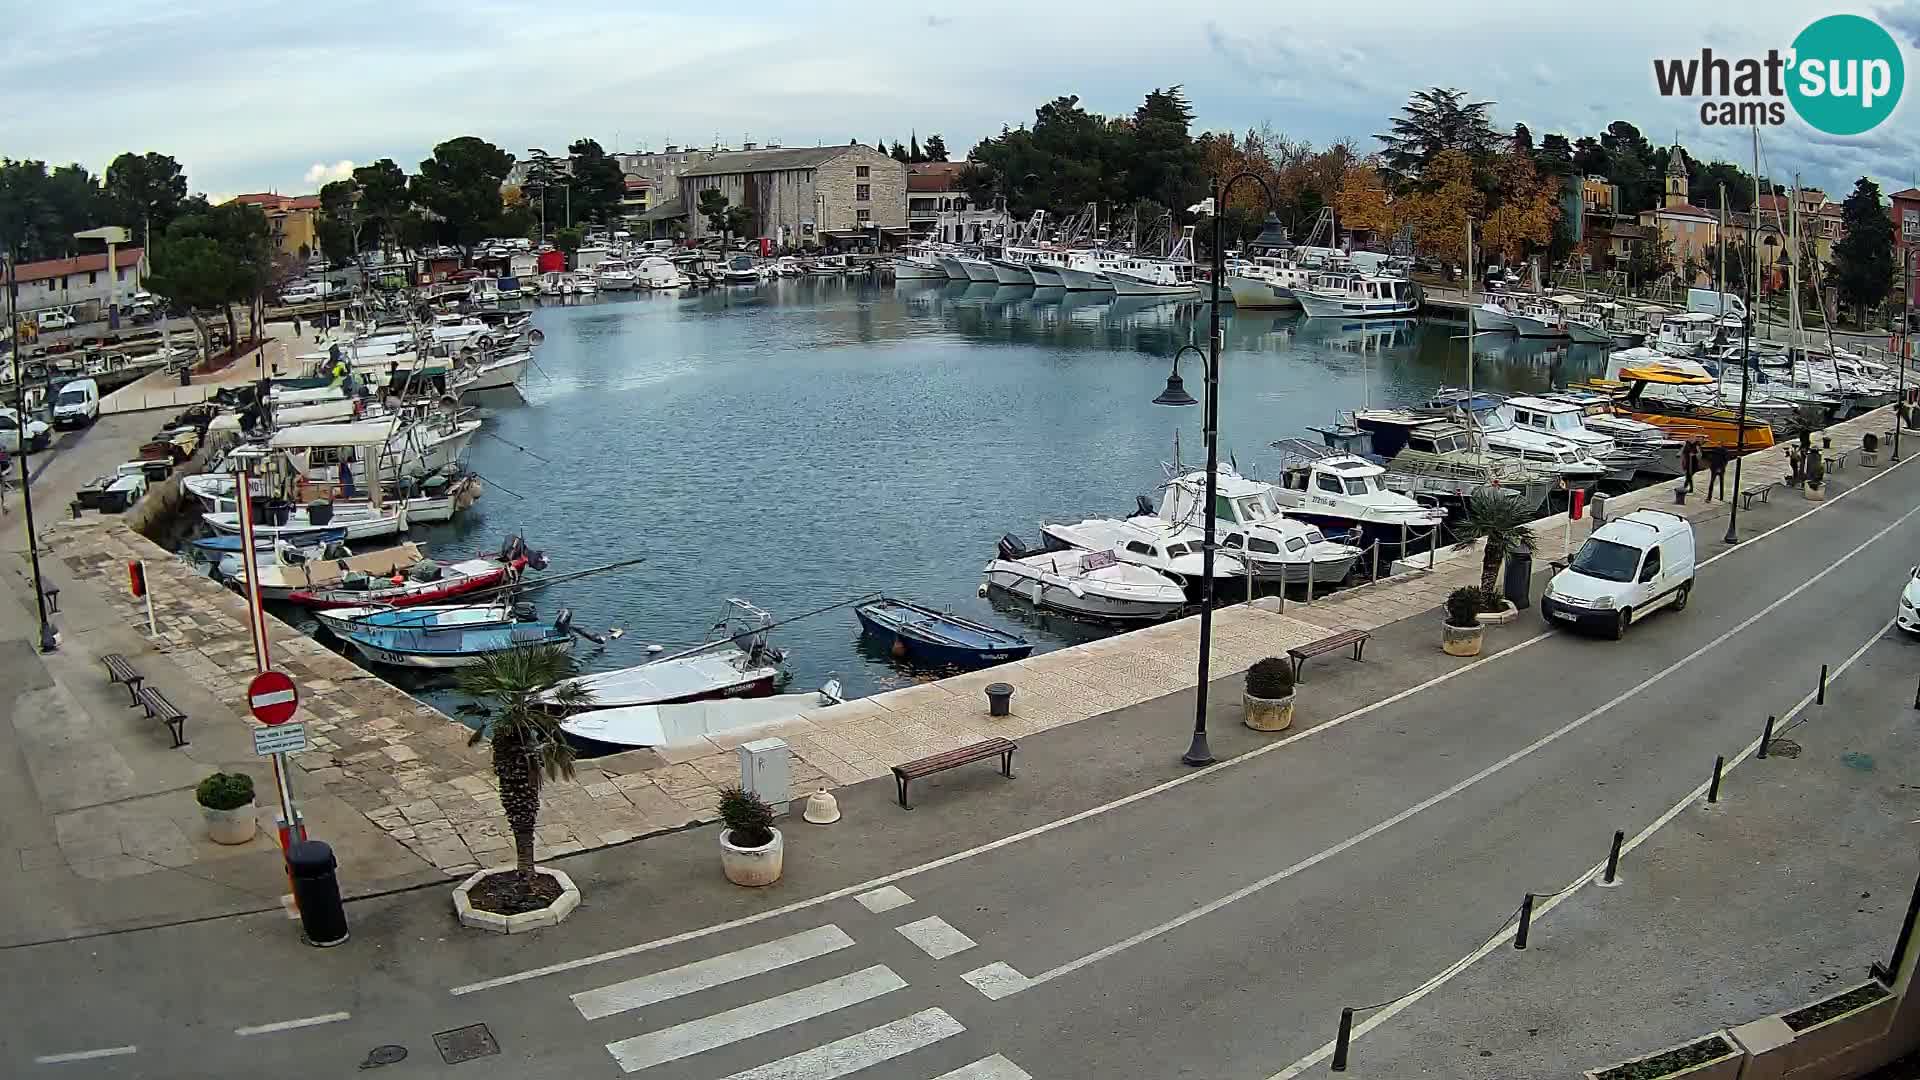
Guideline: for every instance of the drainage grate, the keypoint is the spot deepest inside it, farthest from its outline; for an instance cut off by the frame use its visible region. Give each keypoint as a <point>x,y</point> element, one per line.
<point>466,1044</point>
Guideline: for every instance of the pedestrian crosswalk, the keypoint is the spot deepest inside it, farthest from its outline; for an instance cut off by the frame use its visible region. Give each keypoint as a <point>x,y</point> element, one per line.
<point>633,1002</point>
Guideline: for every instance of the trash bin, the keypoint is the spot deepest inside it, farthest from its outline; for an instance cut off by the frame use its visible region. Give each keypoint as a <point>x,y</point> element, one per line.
<point>323,919</point>
<point>999,699</point>
<point>1599,510</point>
<point>1519,583</point>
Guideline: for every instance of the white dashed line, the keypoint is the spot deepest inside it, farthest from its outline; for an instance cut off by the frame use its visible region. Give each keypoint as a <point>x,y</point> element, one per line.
<point>289,1025</point>
<point>996,1067</point>
<point>84,1055</point>
<point>996,981</point>
<point>711,972</point>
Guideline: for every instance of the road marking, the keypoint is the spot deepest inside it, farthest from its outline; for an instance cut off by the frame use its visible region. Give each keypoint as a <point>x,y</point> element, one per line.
<point>1192,776</point>
<point>84,1055</point>
<point>883,899</point>
<point>289,1025</point>
<point>855,1052</point>
<point>1431,801</point>
<point>757,1018</point>
<point>996,980</point>
<point>1500,940</point>
<point>936,937</point>
<point>709,973</point>
<point>988,1068</point>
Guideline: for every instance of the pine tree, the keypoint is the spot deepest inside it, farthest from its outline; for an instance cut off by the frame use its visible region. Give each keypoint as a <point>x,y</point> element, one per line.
<point>1863,259</point>
<point>914,156</point>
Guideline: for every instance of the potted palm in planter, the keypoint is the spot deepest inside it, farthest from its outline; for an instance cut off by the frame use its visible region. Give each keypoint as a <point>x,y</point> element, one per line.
<point>1499,520</point>
<point>1461,633</point>
<point>226,801</point>
<point>751,849</point>
<point>1269,695</point>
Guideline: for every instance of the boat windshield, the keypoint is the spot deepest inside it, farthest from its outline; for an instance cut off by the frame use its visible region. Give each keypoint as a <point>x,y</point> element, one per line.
<point>1359,485</point>
<point>1607,560</point>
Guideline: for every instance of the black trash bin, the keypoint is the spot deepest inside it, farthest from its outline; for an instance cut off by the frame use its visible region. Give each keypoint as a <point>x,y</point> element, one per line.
<point>323,919</point>
<point>1519,582</point>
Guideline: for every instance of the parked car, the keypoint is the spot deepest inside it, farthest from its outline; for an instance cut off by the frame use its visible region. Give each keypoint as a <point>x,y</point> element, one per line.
<point>54,319</point>
<point>1629,568</point>
<point>1908,617</point>
<point>19,438</point>
<point>78,403</point>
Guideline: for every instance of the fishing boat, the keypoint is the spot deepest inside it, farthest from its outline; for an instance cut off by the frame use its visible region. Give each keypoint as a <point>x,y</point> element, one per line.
<point>1355,295</point>
<point>1567,462</point>
<point>829,266</point>
<point>913,632</point>
<point>1093,584</point>
<point>1172,549</point>
<point>493,373</point>
<point>1168,276</point>
<point>288,568</point>
<point>1348,493</point>
<point>1565,420</point>
<point>977,268</point>
<point>919,264</point>
<point>224,544</point>
<point>1085,270</point>
<point>1434,459</point>
<point>438,648</point>
<point>1494,314</point>
<point>735,661</point>
<point>1544,317</point>
<point>428,616</point>
<point>604,731</point>
<point>426,581</point>
<point>360,521</point>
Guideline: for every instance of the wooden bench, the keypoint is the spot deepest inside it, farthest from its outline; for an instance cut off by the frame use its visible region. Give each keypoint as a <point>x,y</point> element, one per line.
<point>1757,492</point>
<point>120,671</point>
<point>159,708</point>
<point>1300,654</point>
<point>953,759</point>
<point>1835,460</point>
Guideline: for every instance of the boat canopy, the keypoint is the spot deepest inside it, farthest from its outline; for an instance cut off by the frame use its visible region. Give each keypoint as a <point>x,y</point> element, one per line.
<point>311,435</point>
<point>1668,376</point>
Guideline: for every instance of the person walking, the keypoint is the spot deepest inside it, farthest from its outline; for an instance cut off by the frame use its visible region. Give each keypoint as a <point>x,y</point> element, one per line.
<point>1717,472</point>
<point>1690,461</point>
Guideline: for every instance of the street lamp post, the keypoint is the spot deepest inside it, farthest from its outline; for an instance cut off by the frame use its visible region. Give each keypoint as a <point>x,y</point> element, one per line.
<point>1198,752</point>
<point>1746,374</point>
<point>47,640</point>
<point>1906,334</point>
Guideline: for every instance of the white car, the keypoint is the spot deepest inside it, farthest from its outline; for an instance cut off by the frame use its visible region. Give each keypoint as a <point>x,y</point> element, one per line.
<point>35,436</point>
<point>55,319</point>
<point>1908,618</point>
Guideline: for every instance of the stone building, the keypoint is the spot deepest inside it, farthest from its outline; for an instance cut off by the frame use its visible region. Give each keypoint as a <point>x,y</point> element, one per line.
<point>803,196</point>
<point>1689,231</point>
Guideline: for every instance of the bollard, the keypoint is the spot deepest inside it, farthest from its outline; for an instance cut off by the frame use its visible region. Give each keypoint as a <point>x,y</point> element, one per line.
<point>1916,697</point>
<point>1766,733</point>
<point>316,893</point>
<point>1821,697</point>
<point>1309,577</point>
<point>999,699</point>
<point>1376,577</point>
<point>1713,789</point>
<point>1341,1040</point>
<point>1526,922</point>
<point>1613,858</point>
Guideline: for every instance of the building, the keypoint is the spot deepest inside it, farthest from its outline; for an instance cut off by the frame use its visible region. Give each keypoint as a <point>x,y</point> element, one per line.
<point>803,197</point>
<point>293,220</point>
<point>661,169</point>
<point>933,190</point>
<point>1906,237</point>
<point>83,281</point>
<point>1688,231</point>
<point>633,204</point>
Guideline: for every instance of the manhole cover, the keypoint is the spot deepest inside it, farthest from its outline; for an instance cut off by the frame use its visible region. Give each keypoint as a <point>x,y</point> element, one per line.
<point>384,1055</point>
<point>465,1044</point>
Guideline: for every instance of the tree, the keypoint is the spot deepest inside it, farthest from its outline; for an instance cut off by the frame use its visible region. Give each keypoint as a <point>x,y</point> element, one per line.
<point>936,148</point>
<point>40,210</point>
<point>460,186</point>
<point>1432,122</point>
<point>1554,157</point>
<point>245,242</point>
<point>1527,207</point>
<point>384,200</point>
<point>192,273</point>
<point>1165,162</point>
<point>739,220</point>
<point>599,186</point>
<point>1439,209</point>
<point>1522,141</point>
<point>1498,519</point>
<point>1863,259</point>
<point>914,154</point>
<point>525,691</point>
<point>898,152</point>
<point>146,191</point>
<point>713,207</point>
<point>337,226</point>
<point>569,241</point>
<point>1362,201</point>
<point>1590,158</point>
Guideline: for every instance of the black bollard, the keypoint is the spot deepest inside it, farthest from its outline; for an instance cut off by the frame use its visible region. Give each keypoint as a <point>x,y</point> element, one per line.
<point>1526,922</point>
<point>1916,697</point>
<point>316,892</point>
<point>1341,1040</point>
<point>1766,733</point>
<point>1613,857</point>
<point>1713,789</point>
<point>1821,697</point>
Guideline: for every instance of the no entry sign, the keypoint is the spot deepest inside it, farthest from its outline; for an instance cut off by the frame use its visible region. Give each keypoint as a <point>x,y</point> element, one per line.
<point>272,697</point>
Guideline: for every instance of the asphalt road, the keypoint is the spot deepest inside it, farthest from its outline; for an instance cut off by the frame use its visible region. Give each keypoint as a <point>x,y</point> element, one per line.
<point>1211,929</point>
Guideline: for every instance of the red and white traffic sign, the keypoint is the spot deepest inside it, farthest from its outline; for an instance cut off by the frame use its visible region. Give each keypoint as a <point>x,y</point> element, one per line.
<point>272,697</point>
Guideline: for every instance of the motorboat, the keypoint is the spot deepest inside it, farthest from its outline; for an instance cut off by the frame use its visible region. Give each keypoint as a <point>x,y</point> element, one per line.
<point>1431,458</point>
<point>1686,333</point>
<point>1715,425</point>
<point>978,268</point>
<point>439,648</point>
<point>553,283</point>
<point>221,545</point>
<point>426,616</point>
<point>914,632</point>
<point>1251,525</point>
<point>1348,493</point>
<point>788,266</point>
<point>360,521</point>
<point>1356,295</point>
<point>735,661</point>
<point>829,266</point>
<point>1494,313</point>
<point>1568,421</point>
<point>1596,409</point>
<point>951,265</point>
<point>292,567</point>
<point>918,264</point>
<point>1085,270</point>
<point>1266,282</point>
<point>629,727</point>
<point>741,271</point>
<point>1011,266</point>
<point>426,581</point>
<point>1091,584</point>
<point>1542,317</point>
<point>614,275</point>
<point>1567,462</point>
<point>1145,540</point>
<point>1168,276</point>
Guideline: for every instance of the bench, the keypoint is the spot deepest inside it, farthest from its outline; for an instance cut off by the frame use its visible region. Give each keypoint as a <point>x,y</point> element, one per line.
<point>158,707</point>
<point>953,759</point>
<point>1757,492</point>
<point>120,671</point>
<point>1835,460</point>
<point>1300,654</point>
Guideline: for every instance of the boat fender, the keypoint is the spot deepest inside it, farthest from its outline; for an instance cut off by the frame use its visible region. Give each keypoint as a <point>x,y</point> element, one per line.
<point>982,590</point>
<point>1012,547</point>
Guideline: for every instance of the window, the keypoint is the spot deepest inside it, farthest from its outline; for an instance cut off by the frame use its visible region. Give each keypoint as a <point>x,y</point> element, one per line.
<point>862,171</point>
<point>1356,485</point>
<point>93,277</point>
<point>863,215</point>
<point>1265,547</point>
<point>1138,548</point>
<point>1652,568</point>
<point>862,192</point>
<point>1296,545</point>
<point>1328,483</point>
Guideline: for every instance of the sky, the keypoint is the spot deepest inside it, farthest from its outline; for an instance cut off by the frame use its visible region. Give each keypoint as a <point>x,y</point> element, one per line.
<point>253,97</point>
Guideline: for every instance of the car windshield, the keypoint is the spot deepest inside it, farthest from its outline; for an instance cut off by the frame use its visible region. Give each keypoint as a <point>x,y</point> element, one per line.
<point>71,397</point>
<point>1607,560</point>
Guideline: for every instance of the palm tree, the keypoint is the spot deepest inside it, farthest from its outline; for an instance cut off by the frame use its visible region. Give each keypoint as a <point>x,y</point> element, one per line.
<point>1498,519</point>
<point>523,728</point>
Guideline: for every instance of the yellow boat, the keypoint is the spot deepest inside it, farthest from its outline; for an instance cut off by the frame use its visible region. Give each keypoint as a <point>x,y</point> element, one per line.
<point>1717,425</point>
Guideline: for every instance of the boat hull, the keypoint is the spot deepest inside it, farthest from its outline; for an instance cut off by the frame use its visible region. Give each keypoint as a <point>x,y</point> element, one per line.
<point>1589,335</point>
<point>954,270</point>
<point>1529,326</point>
<point>1007,273</point>
<point>979,270</point>
<point>429,661</point>
<point>1324,307</point>
<point>1084,280</point>
<point>1046,277</point>
<point>1024,585</point>
<point>910,270</point>
<point>1257,293</point>
<point>1487,317</point>
<point>904,643</point>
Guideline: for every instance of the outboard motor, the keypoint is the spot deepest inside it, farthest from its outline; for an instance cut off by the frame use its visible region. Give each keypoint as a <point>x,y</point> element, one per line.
<point>523,610</point>
<point>563,622</point>
<point>537,560</point>
<point>512,548</point>
<point>1142,507</point>
<point>1012,547</point>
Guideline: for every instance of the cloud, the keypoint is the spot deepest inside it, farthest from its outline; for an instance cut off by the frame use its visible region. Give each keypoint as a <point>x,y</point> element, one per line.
<point>1542,74</point>
<point>320,173</point>
<point>1903,21</point>
<point>939,20</point>
<point>1290,66</point>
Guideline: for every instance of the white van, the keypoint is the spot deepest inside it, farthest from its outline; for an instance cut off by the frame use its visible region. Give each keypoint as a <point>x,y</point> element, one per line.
<point>77,405</point>
<point>1716,303</point>
<point>1628,568</point>
<point>54,319</point>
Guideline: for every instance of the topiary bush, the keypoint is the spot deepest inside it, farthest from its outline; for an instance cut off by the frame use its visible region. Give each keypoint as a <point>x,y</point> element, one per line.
<point>225,791</point>
<point>747,816</point>
<point>1462,605</point>
<point>1270,678</point>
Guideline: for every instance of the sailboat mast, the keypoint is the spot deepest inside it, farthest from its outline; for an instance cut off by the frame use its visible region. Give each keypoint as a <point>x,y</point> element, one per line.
<point>1753,231</point>
<point>1470,319</point>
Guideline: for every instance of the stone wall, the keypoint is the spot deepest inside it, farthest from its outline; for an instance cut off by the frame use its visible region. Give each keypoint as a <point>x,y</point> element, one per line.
<point>839,181</point>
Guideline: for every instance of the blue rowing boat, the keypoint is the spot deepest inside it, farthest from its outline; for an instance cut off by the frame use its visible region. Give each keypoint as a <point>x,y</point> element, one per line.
<point>916,633</point>
<point>265,542</point>
<point>432,647</point>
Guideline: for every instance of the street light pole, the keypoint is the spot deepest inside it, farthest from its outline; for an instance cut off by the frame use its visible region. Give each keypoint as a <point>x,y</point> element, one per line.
<point>47,641</point>
<point>1906,329</point>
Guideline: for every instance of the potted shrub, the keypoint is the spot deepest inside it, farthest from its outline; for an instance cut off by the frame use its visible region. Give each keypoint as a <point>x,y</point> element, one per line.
<point>1269,695</point>
<point>751,849</point>
<point>1461,632</point>
<point>226,800</point>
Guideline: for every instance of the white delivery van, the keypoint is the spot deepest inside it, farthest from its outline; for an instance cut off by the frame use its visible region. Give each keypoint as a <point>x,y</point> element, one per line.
<point>77,405</point>
<point>1716,303</point>
<point>1628,568</point>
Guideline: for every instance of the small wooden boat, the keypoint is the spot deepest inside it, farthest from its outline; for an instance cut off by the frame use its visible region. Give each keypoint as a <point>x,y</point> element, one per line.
<point>287,568</point>
<point>736,661</point>
<point>913,632</point>
<point>437,648</point>
<point>426,581</point>
<point>613,730</point>
<point>342,621</point>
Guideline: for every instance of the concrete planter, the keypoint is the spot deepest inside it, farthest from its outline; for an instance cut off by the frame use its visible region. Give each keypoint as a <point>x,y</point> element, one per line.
<point>1869,459</point>
<point>1838,1034</point>
<point>235,826</point>
<point>1461,640</point>
<point>1268,714</point>
<point>1722,1067</point>
<point>1814,494</point>
<point>752,867</point>
<point>1505,615</point>
<point>551,915</point>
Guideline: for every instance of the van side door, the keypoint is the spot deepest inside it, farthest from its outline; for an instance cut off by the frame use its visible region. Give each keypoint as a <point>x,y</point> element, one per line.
<point>1652,580</point>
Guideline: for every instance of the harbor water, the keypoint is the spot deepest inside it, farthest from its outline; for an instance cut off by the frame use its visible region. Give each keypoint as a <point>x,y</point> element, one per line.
<point>803,442</point>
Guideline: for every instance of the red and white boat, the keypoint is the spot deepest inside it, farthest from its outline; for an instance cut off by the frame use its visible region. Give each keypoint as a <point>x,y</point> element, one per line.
<point>426,582</point>
<point>736,662</point>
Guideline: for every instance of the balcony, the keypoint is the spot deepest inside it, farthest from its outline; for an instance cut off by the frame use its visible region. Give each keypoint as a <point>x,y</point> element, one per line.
<point>922,215</point>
